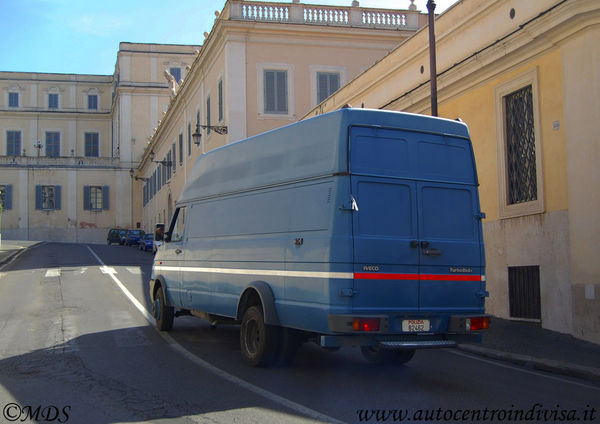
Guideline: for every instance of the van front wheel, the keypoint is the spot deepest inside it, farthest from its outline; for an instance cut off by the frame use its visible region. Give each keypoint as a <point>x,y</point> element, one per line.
<point>257,339</point>
<point>163,314</point>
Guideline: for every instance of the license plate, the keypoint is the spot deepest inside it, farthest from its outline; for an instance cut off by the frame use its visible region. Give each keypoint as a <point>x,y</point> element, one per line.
<point>415,325</point>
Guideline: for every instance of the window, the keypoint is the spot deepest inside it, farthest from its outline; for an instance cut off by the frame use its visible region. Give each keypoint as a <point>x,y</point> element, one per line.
<point>53,144</point>
<point>169,169</point>
<point>208,115</point>
<point>52,101</point>
<point>189,139</point>
<point>93,102</point>
<point>220,100</point>
<point>276,96</point>
<point>176,72</point>
<point>95,198</point>
<point>174,157</point>
<point>13,143</point>
<point>177,226</point>
<point>92,145</point>
<point>47,197</point>
<point>180,149</point>
<point>519,147</point>
<point>327,84</point>
<point>13,99</point>
<point>6,196</point>
<point>524,292</point>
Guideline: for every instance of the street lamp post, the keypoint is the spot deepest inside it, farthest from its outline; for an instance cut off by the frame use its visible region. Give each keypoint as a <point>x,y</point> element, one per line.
<point>432,64</point>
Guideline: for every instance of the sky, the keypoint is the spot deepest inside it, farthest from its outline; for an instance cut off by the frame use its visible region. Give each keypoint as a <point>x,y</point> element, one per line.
<point>83,36</point>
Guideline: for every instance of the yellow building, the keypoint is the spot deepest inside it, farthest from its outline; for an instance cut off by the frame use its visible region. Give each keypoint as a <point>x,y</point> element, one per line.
<point>525,77</point>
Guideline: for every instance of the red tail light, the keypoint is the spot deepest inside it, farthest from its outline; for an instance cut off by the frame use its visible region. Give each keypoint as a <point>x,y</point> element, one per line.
<point>365,324</point>
<point>479,323</point>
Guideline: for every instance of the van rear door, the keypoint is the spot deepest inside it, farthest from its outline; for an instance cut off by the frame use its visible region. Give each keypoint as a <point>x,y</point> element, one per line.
<point>417,240</point>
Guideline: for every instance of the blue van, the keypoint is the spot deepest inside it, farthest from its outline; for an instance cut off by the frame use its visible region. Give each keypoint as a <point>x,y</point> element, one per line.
<point>353,228</point>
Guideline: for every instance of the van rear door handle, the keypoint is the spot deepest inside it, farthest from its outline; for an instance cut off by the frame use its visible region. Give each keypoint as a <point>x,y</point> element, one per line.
<point>177,251</point>
<point>432,252</point>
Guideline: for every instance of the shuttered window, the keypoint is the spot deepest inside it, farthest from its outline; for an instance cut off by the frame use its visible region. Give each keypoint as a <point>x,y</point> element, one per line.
<point>327,84</point>
<point>47,197</point>
<point>53,144</point>
<point>276,92</point>
<point>13,143</point>
<point>95,198</point>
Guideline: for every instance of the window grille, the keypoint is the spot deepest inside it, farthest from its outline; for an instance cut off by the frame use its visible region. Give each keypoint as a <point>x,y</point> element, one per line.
<point>524,292</point>
<point>520,146</point>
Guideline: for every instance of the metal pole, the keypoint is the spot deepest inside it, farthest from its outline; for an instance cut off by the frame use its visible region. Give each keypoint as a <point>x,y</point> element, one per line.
<point>432,64</point>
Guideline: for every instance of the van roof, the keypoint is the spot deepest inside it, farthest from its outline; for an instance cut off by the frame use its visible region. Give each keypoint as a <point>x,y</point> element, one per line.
<point>288,154</point>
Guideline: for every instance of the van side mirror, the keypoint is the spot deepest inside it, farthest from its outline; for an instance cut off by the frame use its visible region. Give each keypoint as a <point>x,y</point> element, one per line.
<point>167,237</point>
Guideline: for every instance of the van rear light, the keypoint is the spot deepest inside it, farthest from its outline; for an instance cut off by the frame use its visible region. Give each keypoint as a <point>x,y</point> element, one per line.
<point>365,324</point>
<point>478,323</point>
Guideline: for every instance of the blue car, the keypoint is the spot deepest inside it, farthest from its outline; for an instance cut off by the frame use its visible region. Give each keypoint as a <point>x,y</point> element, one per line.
<point>133,237</point>
<point>147,242</point>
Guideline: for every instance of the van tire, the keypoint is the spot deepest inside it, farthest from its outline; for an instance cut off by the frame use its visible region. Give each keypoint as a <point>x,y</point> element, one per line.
<point>378,356</point>
<point>163,314</point>
<point>258,341</point>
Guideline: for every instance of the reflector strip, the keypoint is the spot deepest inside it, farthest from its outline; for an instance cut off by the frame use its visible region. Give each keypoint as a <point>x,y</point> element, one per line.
<point>427,277</point>
<point>317,274</point>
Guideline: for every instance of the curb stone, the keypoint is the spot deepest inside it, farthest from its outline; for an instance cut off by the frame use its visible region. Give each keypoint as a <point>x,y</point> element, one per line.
<point>548,365</point>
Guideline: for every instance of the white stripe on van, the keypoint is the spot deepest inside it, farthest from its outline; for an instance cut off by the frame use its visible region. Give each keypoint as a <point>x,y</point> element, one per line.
<point>268,272</point>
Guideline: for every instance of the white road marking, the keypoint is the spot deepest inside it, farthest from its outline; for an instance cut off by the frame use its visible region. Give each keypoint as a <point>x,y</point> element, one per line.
<point>106,269</point>
<point>134,271</point>
<point>55,272</point>
<point>217,371</point>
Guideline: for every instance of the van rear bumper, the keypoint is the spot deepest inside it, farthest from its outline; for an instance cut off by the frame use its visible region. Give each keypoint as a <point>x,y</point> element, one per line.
<point>442,331</point>
<point>399,342</point>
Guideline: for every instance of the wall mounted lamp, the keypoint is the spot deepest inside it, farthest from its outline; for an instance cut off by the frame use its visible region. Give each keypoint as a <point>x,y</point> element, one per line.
<point>163,162</point>
<point>133,176</point>
<point>219,129</point>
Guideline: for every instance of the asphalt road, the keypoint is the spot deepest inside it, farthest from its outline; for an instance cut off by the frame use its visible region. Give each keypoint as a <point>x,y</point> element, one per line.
<point>76,345</point>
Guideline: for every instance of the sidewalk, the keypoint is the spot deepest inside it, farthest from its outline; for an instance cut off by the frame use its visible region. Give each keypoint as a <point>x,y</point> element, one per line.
<point>528,344</point>
<point>11,248</point>
<point>520,343</point>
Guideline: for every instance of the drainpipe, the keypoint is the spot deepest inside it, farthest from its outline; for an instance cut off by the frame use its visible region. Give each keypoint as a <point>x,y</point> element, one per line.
<point>432,65</point>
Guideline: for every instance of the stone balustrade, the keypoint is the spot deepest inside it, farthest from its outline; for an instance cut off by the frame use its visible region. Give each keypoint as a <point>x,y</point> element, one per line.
<point>259,11</point>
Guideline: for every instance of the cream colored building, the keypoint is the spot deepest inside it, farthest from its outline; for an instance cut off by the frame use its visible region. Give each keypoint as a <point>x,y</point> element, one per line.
<point>263,65</point>
<point>525,77</point>
<point>68,142</point>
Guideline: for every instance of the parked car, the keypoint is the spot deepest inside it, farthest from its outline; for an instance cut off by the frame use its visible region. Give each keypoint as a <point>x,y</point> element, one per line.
<point>113,236</point>
<point>122,237</point>
<point>133,237</point>
<point>147,242</point>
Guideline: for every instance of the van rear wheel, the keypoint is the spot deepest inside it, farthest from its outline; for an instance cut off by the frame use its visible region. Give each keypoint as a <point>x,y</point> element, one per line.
<point>258,340</point>
<point>378,356</point>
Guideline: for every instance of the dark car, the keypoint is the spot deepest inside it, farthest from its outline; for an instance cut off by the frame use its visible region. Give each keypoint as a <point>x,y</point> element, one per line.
<point>147,242</point>
<point>122,236</point>
<point>113,236</point>
<point>133,237</point>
